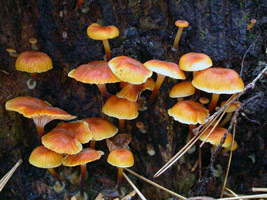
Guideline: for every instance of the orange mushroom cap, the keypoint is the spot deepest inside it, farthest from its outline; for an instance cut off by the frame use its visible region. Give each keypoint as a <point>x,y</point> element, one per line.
<point>218,81</point>
<point>216,136</point>
<point>98,32</point>
<point>121,158</point>
<point>95,72</point>
<point>129,70</point>
<point>183,89</point>
<point>204,100</point>
<point>169,69</point>
<point>44,158</point>
<point>68,138</point>
<point>100,128</point>
<point>188,112</point>
<point>181,23</point>
<point>195,61</point>
<point>232,107</point>
<point>85,156</point>
<point>41,111</point>
<point>120,108</point>
<point>33,62</point>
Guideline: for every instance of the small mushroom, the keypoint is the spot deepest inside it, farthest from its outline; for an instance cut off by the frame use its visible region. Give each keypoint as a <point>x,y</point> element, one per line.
<point>121,158</point>
<point>252,23</point>
<point>204,100</point>
<point>181,90</point>
<point>98,32</point>
<point>33,41</point>
<point>12,52</point>
<point>181,24</point>
<point>232,108</point>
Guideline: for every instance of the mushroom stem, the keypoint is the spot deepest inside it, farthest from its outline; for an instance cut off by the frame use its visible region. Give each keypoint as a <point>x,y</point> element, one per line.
<point>102,88</point>
<point>177,38</point>
<point>213,102</point>
<point>107,49</point>
<point>158,83</point>
<point>40,130</point>
<point>199,164</point>
<point>191,127</point>
<point>78,5</point>
<point>120,172</point>
<point>179,99</point>
<point>83,174</point>
<point>226,119</point>
<point>92,144</point>
<point>121,125</point>
<point>54,174</point>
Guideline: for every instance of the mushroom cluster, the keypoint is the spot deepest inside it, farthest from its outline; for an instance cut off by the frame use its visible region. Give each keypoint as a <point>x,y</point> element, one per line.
<point>65,144</point>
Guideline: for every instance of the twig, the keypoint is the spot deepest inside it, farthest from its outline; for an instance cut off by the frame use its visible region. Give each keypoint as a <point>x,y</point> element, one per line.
<point>256,196</point>
<point>232,192</point>
<point>254,189</point>
<point>134,187</point>
<point>251,120</point>
<point>155,184</point>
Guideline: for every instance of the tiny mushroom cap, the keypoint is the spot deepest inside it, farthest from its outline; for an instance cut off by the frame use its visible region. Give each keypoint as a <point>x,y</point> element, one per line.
<point>120,108</point>
<point>232,107</point>
<point>183,89</point>
<point>95,72</point>
<point>195,61</point>
<point>129,70</point>
<point>218,81</point>
<point>85,156</point>
<point>33,40</point>
<point>44,158</point>
<point>33,62</point>
<point>188,112</point>
<point>41,111</point>
<point>204,100</point>
<point>216,135</point>
<point>67,138</point>
<point>121,158</point>
<point>181,23</point>
<point>98,32</point>
<point>11,50</point>
<point>101,129</point>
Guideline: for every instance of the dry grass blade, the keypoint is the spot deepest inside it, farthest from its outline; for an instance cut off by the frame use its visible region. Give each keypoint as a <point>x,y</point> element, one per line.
<point>134,187</point>
<point>155,184</point>
<point>259,189</point>
<point>5,179</point>
<point>256,196</point>
<point>232,192</point>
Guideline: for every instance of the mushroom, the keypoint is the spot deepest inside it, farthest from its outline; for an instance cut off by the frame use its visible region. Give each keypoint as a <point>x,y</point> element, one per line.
<point>33,41</point>
<point>40,111</point>
<point>132,92</point>
<point>163,68</point>
<point>101,129</point>
<point>232,108</point>
<point>85,156</point>
<point>121,158</point>
<point>189,112</point>
<point>129,70</point>
<point>252,23</point>
<point>194,62</point>
<point>33,62</point>
<point>67,138</point>
<point>181,90</point>
<point>121,109</point>
<point>44,158</point>
<point>218,81</point>
<point>12,52</point>
<point>95,72</point>
<point>181,24</point>
<point>204,100</point>
<point>98,32</point>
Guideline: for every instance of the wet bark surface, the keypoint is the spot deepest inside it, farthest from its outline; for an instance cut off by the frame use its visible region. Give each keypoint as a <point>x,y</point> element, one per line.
<point>217,28</point>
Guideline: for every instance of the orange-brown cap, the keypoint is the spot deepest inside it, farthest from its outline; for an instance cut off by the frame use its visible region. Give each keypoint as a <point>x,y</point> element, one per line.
<point>101,129</point>
<point>188,112</point>
<point>129,70</point>
<point>181,23</point>
<point>204,100</point>
<point>195,62</point>
<point>44,158</point>
<point>216,136</point>
<point>95,72</point>
<point>120,108</point>
<point>233,106</point>
<point>121,158</point>
<point>38,109</point>
<point>183,89</point>
<point>98,32</point>
<point>218,81</point>
<point>68,138</point>
<point>85,156</point>
<point>33,62</point>
<point>169,69</point>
